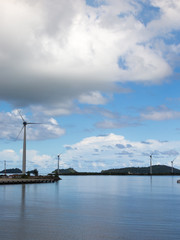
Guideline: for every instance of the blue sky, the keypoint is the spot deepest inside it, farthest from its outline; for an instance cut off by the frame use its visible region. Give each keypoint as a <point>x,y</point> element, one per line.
<point>101,76</point>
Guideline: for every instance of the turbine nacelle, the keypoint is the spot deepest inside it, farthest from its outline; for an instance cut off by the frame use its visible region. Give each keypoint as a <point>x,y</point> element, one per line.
<point>25,123</point>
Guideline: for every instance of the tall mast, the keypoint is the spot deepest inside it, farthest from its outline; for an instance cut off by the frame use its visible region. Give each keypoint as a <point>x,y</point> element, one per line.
<point>58,163</point>
<point>24,150</point>
<point>151,164</point>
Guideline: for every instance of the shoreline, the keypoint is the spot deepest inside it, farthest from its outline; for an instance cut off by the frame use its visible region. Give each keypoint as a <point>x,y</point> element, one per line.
<point>6,181</point>
<point>118,174</point>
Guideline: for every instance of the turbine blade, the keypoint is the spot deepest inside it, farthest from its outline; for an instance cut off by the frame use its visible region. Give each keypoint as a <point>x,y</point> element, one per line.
<point>19,133</point>
<point>21,116</point>
<point>33,123</point>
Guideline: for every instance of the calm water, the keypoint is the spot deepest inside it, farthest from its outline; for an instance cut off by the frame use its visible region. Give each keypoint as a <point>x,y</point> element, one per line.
<point>92,208</point>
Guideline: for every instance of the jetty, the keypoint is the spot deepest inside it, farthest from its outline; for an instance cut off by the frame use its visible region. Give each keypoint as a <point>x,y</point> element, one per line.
<point>27,180</point>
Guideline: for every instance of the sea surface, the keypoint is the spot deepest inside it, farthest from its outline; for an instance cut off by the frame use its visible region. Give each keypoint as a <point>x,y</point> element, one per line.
<point>92,208</point>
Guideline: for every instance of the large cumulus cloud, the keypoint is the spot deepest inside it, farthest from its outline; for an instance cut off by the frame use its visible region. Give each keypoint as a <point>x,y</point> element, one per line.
<point>115,151</point>
<point>52,52</point>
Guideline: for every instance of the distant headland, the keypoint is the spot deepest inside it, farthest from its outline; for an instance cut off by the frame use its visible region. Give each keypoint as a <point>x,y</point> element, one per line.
<point>156,170</point>
<point>11,170</point>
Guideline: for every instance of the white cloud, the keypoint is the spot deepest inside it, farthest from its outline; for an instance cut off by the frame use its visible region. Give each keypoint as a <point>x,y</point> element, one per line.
<point>169,19</point>
<point>109,124</point>
<point>9,155</point>
<point>11,124</point>
<point>54,52</point>
<point>160,113</point>
<point>56,109</point>
<point>96,165</point>
<point>99,152</point>
<point>94,98</point>
<point>102,152</point>
<point>44,163</point>
<point>116,120</point>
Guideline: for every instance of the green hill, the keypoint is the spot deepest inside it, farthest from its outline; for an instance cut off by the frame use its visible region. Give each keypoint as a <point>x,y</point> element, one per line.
<point>12,170</point>
<point>156,170</point>
<point>66,171</point>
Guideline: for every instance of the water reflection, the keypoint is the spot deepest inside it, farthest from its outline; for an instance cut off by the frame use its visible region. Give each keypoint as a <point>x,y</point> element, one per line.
<point>86,208</point>
<point>151,182</point>
<point>23,199</point>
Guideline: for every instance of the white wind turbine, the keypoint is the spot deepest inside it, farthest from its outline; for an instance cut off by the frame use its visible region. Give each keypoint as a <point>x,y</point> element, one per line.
<point>24,142</point>
<point>172,165</point>
<point>150,164</point>
<point>59,155</point>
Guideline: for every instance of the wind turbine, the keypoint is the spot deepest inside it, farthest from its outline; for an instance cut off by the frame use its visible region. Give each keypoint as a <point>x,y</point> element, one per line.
<point>5,167</point>
<point>150,164</point>
<point>172,165</point>
<point>59,155</point>
<point>24,142</point>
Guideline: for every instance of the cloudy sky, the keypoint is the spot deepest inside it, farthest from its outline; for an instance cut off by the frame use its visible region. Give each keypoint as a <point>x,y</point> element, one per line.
<point>102,76</point>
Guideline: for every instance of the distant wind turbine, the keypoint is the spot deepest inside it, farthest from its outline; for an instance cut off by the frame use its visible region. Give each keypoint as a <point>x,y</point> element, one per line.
<point>5,167</point>
<point>150,164</point>
<point>24,142</point>
<point>172,165</point>
<point>59,155</point>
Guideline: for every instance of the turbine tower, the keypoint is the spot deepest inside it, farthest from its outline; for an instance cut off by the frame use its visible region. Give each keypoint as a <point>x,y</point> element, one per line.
<point>58,163</point>
<point>24,143</point>
<point>151,164</point>
<point>4,167</point>
<point>172,165</point>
